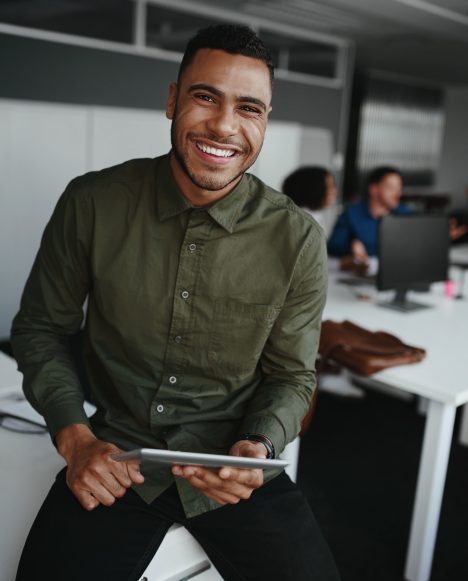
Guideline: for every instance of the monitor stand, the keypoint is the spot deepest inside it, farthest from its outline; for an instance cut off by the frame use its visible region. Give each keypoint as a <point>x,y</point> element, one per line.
<point>401,304</point>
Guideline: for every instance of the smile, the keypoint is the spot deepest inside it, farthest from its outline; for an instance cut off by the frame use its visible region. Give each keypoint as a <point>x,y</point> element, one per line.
<point>215,151</point>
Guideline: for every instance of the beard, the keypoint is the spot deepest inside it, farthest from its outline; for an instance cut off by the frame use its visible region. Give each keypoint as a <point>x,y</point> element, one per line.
<point>211,179</point>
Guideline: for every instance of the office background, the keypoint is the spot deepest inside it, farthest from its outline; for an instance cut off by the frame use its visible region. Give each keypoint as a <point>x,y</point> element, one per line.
<point>83,85</point>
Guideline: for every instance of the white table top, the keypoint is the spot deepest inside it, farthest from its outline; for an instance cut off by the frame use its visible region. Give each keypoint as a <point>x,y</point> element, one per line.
<point>10,377</point>
<point>459,253</point>
<point>441,330</point>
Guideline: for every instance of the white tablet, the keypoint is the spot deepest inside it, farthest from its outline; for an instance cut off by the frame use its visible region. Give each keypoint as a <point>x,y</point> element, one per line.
<point>196,459</point>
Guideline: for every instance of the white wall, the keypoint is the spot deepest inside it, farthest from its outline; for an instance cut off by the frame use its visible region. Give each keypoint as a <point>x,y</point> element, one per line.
<point>43,146</point>
<point>117,135</point>
<point>33,170</point>
<point>453,173</point>
<point>290,145</point>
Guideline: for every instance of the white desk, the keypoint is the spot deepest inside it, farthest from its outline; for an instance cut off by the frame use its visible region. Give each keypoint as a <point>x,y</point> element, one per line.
<point>459,253</point>
<point>442,378</point>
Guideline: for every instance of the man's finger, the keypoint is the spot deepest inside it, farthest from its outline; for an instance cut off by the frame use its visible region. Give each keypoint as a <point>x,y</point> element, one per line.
<point>120,473</point>
<point>113,485</point>
<point>127,473</point>
<point>246,477</point>
<point>186,471</point>
<point>133,471</point>
<point>242,476</point>
<point>100,493</point>
<point>212,485</point>
<point>86,499</point>
<point>125,476</point>
<point>219,496</point>
<point>241,491</point>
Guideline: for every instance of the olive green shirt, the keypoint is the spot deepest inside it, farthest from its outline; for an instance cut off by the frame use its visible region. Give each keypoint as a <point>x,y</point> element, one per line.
<point>201,323</point>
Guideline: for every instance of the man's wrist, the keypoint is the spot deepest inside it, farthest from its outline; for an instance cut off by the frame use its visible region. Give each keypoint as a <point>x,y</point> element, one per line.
<point>261,438</point>
<point>72,436</point>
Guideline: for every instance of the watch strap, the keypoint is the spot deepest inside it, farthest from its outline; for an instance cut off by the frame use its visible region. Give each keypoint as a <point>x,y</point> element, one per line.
<point>263,440</point>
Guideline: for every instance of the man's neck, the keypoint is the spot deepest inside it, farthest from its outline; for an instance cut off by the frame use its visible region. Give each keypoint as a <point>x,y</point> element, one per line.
<point>196,196</point>
<point>377,209</point>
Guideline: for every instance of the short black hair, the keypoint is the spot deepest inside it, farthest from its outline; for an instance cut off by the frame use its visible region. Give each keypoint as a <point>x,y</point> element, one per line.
<point>306,186</point>
<point>232,38</point>
<point>378,174</point>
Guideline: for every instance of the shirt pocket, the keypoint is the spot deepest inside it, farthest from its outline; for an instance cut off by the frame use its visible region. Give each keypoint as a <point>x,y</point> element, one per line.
<point>238,334</point>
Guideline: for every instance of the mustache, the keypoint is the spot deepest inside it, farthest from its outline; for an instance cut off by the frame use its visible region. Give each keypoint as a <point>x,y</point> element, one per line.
<point>217,140</point>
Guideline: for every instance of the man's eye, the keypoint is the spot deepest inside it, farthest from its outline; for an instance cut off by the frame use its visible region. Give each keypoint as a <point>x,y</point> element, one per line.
<point>204,97</point>
<point>250,109</point>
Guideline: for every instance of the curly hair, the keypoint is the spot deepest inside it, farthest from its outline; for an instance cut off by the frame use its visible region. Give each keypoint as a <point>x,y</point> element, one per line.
<point>231,38</point>
<point>306,186</point>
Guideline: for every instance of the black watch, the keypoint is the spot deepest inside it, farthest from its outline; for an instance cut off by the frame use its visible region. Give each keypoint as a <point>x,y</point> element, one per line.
<point>263,440</point>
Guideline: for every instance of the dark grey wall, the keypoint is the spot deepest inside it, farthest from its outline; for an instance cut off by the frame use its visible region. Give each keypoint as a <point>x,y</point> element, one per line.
<point>48,71</point>
<point>308,104</point>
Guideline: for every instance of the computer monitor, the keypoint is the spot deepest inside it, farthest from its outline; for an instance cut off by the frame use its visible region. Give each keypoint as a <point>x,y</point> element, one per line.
<point>413,252</point>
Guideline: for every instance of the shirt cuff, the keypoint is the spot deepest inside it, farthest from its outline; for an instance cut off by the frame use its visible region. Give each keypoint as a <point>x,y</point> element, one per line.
<point>59,417</point>
<point>268,426</point>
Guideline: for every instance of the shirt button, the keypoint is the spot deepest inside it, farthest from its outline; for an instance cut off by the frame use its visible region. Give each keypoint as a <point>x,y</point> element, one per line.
<point>177,338</point>
<point>185,294</point>
<point>160,408</point>
<point>192,247</point>
<point>172,379</point>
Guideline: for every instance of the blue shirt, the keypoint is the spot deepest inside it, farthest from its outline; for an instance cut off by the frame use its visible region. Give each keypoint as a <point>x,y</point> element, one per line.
<point>356,222</point>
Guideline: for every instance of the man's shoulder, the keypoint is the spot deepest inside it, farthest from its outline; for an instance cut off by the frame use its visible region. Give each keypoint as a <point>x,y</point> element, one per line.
<point>127,174</point>
<point>355,212</point>
<point>356,207</point>
<point>268,202</point>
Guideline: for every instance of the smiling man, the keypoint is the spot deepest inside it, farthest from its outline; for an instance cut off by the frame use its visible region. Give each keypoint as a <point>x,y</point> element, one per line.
<point>205,290</point>
<point>218,125</point>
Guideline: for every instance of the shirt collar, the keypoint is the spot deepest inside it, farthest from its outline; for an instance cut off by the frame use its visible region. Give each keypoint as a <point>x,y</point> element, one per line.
<point>170,201</point>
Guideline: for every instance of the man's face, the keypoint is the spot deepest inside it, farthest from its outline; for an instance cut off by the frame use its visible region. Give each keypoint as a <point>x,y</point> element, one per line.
<point>387,192</point>
<point>219,114</point>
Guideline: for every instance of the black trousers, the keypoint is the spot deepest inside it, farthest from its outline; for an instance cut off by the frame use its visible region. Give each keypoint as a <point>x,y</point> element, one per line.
<point>272,536</point>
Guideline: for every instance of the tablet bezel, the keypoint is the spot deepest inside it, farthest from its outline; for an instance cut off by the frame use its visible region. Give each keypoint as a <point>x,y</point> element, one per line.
<point>171,457</point>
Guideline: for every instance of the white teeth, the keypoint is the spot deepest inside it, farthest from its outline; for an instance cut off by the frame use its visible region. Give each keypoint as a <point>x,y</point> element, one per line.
<point>215,151</point>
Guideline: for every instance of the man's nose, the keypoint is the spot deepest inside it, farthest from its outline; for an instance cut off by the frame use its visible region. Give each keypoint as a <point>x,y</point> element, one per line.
<point>224,122</point>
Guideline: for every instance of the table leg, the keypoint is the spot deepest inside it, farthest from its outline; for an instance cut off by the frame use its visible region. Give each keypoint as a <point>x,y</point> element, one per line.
<point>423,404</point>
<point>463,435</point>
<point>291,454</point>
<point>431,480</point>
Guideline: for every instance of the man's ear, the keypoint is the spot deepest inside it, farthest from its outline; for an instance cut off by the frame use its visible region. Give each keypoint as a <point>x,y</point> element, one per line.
<point>371,190</point>
<point>171,100</point>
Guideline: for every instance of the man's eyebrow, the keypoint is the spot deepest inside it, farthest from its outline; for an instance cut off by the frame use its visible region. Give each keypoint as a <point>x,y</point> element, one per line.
<point>209,88</point>
<point>253,100</point>
<point>219,93</point>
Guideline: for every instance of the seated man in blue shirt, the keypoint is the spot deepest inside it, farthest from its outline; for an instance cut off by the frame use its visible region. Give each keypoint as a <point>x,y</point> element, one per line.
<point>355,232</point>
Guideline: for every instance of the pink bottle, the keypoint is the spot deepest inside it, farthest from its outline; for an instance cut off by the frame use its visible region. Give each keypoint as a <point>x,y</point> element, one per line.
<point>449,289</point>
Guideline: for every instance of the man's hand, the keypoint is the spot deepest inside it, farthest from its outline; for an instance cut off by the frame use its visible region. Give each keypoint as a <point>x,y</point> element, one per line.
<point>359,252</point>
<point>456,230</point>
<point>92,475</point>
<point>227,485</point>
